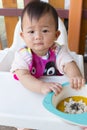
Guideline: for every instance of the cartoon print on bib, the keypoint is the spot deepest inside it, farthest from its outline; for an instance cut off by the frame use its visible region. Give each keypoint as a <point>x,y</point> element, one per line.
<point>42,66</point>
<point>50,69</point>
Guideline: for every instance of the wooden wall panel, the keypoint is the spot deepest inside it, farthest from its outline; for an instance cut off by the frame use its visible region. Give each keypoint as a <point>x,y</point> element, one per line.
<point>57,3</point>
<point>75,17</point>
<point>0,45</point>
<point>10,22</point>
<point>83,32</point>
<point>27,1</point>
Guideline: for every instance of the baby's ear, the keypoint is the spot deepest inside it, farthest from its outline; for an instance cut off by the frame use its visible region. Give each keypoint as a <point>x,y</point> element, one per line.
<point>21,34</point>
<point>57,34</point>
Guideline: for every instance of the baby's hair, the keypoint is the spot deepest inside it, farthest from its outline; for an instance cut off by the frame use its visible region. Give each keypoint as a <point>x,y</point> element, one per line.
<point>37,9</point>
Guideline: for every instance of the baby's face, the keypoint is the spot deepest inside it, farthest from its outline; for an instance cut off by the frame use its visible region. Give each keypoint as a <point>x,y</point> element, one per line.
<point>39,35</point>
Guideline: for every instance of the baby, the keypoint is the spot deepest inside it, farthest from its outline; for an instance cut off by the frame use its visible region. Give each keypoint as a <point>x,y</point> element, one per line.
<point>40,56</point>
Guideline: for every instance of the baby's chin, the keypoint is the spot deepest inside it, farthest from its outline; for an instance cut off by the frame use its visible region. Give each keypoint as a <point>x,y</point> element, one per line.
<point>40,52</point>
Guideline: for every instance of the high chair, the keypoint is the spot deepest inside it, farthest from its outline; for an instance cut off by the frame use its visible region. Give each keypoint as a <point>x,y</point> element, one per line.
<point>18,106</point>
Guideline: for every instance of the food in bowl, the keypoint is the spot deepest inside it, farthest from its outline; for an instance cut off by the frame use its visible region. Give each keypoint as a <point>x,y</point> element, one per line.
<point>73,105</point>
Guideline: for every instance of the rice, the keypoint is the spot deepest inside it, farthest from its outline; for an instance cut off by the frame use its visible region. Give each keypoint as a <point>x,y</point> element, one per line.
<point>73,105</point>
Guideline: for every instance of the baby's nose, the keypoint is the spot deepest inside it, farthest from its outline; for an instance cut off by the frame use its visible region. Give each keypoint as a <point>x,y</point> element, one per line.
<point>38,36</point>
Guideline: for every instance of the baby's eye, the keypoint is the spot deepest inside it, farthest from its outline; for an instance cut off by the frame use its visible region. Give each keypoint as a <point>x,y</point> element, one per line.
<point>44,31</point>
<point>31,31</point>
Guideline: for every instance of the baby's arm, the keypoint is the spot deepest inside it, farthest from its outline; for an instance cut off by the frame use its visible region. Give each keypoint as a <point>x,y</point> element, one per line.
<point>72,71</point>
<point>21,69</point>
<point>36,85</point>
<point>66,64</point>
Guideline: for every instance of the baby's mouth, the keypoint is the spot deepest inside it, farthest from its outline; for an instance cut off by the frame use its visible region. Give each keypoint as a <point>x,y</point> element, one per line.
<point>38,44</point>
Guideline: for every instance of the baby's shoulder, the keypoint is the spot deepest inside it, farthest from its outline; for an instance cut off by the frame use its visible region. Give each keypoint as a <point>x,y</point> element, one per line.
<point>24,50</point>
<point>25,53</point>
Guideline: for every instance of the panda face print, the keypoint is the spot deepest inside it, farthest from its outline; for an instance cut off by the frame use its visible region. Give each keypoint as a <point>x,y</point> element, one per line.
<point>50,69</point>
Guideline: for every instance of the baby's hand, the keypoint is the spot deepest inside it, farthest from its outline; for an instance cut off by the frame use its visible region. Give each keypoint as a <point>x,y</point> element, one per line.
<point>48,87</point>
<point>77,82</point>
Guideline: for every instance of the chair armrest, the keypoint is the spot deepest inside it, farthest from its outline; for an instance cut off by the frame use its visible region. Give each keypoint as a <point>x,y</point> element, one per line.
<point>79,60</point>
<point>6,58</point>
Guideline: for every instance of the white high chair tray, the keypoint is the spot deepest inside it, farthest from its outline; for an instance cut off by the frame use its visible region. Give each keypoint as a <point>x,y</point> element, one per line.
<point>21,108</point>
